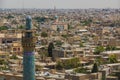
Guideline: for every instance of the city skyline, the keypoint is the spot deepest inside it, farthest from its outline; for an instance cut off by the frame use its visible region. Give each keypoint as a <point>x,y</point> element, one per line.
<point>72,4</point>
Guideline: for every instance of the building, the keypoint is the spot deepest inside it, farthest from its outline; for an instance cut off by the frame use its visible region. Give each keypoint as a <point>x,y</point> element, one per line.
<point>59,25</point>
<point>28,43</point>
<point>9,36</point>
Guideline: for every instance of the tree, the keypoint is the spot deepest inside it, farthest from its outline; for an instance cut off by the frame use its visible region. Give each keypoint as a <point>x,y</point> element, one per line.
<point>113,58</point>
<point>40,19</point>
<point>99,61</point>
<point>4,28</point>
<point>110,48</point>
<point>10,16</point>
<point>87,22</point>
<point>69,64</point>
<point>3,62</point>
<point>75,62</point>
<point>58,43</point>
<point>64,36</point>
<point>81,70</point>
<point>81,44</point>
<point>99,49</point>
<point>58,29</point>
<point>43,53</point>
<point>44,34</point>
<point>95,68</point>
<point>14,22</point>
<point>50,48</point>
<point>13,57</point>
<point>59,65</point>
<point>69,26</point>
<point>21,27</point>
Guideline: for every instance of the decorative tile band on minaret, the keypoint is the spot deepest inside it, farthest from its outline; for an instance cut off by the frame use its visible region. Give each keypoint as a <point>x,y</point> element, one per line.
<point>28,43</point>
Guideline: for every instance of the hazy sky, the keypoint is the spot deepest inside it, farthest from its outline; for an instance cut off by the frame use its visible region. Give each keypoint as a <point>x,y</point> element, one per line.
<point>60,3</point>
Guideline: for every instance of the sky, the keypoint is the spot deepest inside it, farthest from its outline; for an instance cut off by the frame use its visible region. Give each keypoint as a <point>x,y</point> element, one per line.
<point>71,4</point>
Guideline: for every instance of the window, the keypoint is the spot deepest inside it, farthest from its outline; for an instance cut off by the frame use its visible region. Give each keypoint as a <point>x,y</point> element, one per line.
<point>14,49</point>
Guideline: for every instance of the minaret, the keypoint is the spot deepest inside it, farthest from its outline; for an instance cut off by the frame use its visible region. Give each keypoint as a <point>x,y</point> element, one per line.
<point>28,43</point>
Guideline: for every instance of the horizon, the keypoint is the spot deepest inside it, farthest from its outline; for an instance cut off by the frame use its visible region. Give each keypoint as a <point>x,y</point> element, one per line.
<point>59,8</point>
<point>60,4</point>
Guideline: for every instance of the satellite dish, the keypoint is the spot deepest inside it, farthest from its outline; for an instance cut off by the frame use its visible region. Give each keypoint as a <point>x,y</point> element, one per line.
<point>47,74</point>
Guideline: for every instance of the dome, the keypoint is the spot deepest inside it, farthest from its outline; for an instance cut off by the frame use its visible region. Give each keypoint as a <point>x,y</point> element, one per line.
<point>28,17</point>
<point>56,17</point>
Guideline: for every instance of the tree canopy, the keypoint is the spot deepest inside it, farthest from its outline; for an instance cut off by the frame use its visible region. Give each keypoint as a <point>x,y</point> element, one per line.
<point>95,68</point>
<point>21,27</point>
<point>10,16</point>
<point>81,70</point>
<point>4,28</point>
<point>113,58</point>
<point>99,49</point>
<point>111,48</point>
<point>68,64</point>
<point>50,48</point>
<point>44,34</point>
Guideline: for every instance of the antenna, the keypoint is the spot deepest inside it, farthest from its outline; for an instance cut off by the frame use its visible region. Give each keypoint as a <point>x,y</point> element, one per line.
<point>23,7</point>
<point>54,5</point>
<point>23,4</point>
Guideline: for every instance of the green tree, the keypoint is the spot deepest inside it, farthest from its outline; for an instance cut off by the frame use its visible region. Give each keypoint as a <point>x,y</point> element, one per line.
<point>113,58</point>
<point>86,22</point>
<point>59,65</point>
<point>4,28</point>
<point>81,70</point>
<point>58,43</point>
<point>75,62</point>
<point>64,36</point>
<point>13,57</point>
<point>21,27</point>
<point>110,48</point>
<point>81,44</point>
<point>43,53</point>
<point>99,49</point>
<point>10,16</point>
<point>58,29</point>
<point>95,68</point>
<point>3,62</point>
<point>40,19</point>
<point>69,27</point>
<point>44,34</point>
<point>99,61</point>
<point>69,64</point>
<point>50,48</point>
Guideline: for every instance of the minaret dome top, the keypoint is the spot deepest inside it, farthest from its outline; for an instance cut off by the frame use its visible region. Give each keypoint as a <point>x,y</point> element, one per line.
<point>28,17</point>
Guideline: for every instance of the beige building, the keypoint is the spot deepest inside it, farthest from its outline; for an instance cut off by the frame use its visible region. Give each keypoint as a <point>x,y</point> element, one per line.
<point>8,36</point>
<point>59,26</point>
<point>108,53</point>
<point>16,48</point>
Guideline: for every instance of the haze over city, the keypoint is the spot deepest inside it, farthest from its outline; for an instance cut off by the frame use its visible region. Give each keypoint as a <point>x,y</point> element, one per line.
<point>59,4</point>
